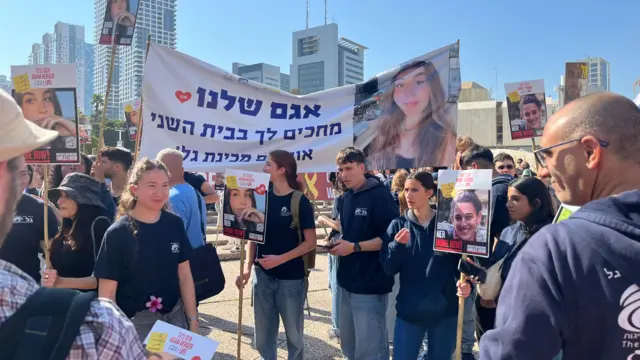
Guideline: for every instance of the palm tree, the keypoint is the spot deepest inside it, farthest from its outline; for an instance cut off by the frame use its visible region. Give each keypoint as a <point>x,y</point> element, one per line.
<point>98,102</point>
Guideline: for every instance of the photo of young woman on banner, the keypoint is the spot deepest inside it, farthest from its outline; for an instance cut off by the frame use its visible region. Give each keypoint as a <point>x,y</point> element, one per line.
<point>47,96</point>
<point>245,205</point>
<point>527,108</point>
<point>463,212</point>
<point>410,118</point>
<point>122,13</point>
<point>132,117</point>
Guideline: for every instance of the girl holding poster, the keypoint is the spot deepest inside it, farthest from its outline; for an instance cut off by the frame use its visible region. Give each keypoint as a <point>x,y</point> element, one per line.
<point>425,304</point>
<point>530,208</point>
<point>279,279</point>
<point>416,128</point>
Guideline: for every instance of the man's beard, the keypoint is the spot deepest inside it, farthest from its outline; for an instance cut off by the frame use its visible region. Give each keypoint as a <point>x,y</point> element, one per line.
<point>11,200</point>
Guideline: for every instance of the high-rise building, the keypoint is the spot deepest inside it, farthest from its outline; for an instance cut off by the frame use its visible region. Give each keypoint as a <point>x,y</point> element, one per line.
<point>321,60</point>
<point>5,83</point>
<point>263,73</point>
<point>37,54</point>
<point>64,46</point>
<point>156,18</point>
<point>599,73</point>
<point>88,78</point>
<point>285,80</point>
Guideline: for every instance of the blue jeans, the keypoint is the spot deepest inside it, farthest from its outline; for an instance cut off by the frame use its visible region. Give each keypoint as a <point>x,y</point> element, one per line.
<point>363,326</point>
<point>275,298</point>
<point>407,340</point>
<point>335,291</point>
<point>468,324</point>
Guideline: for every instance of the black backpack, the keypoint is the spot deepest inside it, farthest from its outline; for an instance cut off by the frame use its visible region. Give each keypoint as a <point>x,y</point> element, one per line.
<point>45,326</point>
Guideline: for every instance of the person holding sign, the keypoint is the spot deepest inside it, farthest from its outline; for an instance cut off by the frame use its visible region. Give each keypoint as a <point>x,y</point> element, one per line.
<point>427,302</point>
<point>280,274</point>
<point>415,129</point>
<point>143,263</point>
<point>101,332</point>
<point>75,248</point>
<point>531,209</point>
<point>574,286</point>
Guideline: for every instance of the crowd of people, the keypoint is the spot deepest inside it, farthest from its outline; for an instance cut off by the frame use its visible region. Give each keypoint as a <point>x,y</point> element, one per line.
<point>127,229</point>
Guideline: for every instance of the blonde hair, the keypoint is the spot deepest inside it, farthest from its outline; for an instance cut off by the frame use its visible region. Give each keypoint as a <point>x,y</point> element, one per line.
<point>128,201</point>
<point>397,184</point>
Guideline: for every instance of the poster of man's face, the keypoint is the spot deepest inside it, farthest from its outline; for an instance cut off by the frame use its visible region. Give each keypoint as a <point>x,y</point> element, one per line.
<point>575,78</point>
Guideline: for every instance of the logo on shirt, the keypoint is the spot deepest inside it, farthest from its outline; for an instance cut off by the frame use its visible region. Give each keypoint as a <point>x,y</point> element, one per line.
<point>629,318</point>
<point>284,211</point>
<point>22,219</point>
<point>361,212</point>
<point>175,247</point>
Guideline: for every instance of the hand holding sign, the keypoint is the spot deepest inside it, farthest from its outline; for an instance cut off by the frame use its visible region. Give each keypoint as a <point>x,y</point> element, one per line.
<point>403,236</point>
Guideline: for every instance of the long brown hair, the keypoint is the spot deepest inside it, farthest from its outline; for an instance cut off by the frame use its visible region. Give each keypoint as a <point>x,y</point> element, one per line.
<point>128,201</point>
<point>435,133</point>
<point>284,159</point>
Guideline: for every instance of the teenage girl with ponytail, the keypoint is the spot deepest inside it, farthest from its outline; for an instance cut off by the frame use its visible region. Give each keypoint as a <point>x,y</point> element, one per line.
<point>143,264</point>
<point>279,288</point>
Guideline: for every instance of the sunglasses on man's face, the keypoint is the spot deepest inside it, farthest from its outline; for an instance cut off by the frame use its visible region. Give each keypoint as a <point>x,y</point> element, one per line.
<point>508,167</point>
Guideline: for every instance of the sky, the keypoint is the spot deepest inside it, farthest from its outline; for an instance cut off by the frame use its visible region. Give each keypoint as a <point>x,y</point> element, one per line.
<point>500,41</point>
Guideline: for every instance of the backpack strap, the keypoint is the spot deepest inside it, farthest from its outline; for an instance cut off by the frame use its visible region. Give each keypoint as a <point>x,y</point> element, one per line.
<point>93,235</point>
<point>46,325</point>
<point>295,214</point>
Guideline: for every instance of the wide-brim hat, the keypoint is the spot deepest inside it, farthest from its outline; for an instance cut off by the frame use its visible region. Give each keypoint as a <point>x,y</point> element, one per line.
<point>18,135</point>
<point>81,188</point>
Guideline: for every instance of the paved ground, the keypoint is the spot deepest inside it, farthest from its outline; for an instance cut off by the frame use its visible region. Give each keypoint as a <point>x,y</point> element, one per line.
<point>219,317</point>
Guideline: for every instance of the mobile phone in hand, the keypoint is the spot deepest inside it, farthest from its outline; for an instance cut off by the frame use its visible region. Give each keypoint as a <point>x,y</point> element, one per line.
<point>328,245</point>
<point>471,269</point>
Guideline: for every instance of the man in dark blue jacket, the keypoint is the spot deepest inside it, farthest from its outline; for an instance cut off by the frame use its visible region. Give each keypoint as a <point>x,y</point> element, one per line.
<point>573,288</point>
<point>366,211</point>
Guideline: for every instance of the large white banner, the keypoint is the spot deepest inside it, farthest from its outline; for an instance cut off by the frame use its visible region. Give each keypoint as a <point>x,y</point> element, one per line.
<point>405,117</point>
<point>219,122</point>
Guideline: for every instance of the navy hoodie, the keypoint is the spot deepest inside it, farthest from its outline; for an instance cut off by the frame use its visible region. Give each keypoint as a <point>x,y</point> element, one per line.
<point>427,281</point>
<point>365,214</point>
<point>574,287</point>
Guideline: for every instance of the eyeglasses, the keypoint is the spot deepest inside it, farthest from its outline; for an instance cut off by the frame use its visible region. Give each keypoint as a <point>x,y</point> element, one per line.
<point>508,167</point>
<point>543,154</point>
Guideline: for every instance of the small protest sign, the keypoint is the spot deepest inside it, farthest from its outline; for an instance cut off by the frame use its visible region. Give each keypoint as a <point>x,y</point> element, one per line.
<point>170,340</point>
<point>245,204</point>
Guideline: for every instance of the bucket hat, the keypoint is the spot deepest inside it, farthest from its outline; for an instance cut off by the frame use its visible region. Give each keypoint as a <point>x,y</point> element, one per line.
<point>81,188</point>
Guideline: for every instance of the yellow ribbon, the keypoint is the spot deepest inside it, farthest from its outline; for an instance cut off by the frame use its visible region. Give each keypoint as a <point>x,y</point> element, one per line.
<point>311,184</point>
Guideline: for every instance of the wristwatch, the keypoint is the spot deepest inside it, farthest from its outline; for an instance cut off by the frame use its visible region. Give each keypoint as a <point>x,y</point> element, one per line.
<point>356,247</point>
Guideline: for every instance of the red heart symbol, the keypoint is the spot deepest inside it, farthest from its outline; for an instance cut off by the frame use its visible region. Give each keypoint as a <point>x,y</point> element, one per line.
<point>183,97</point>
<point>261,190</point>
<point>196,358</point>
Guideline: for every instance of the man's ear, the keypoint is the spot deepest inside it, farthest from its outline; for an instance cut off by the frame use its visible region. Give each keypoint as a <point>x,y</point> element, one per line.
<point>593,151</point>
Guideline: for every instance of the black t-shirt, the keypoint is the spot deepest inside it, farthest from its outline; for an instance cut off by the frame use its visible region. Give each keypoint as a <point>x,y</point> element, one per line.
<point>79,263</point>
<point>195,180</point>
<point>280,238</point>
<point>146,264</point>
<point>22,245</point>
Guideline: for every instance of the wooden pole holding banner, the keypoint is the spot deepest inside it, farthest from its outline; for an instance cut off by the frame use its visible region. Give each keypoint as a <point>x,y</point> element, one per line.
<point>239,343</point>
<point>45,197</point>
<point>533,150</point>
<point>458,353</point>
<point>139,129</point>
<point>106,95</point>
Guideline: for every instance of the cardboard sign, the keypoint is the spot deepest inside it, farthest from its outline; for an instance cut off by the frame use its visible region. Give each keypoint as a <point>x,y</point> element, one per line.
<point>463,218</point>
<point>245,205</point>
<point>167,339</point>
